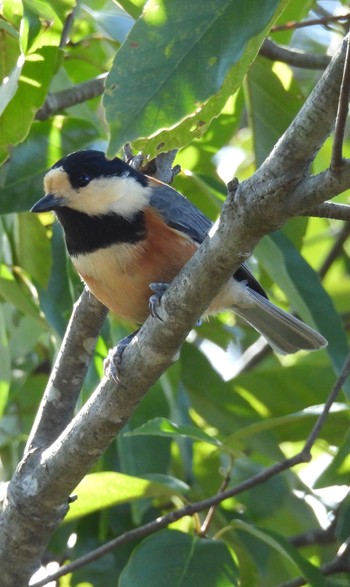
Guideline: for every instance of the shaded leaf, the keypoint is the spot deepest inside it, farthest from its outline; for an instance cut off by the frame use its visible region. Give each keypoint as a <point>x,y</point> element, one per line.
<point>311,573</point>
<point>180,560</point>
<point>164,427</point>
<point>33,248</point>
<point>12,291</point>
<point>304,290</point>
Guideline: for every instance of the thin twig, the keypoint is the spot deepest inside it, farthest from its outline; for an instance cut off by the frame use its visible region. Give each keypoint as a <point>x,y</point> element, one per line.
<point>330,400</point>
<point>67,27</point>
<point>311,22</point>
<point>210,515</point>
<point>343,108</point>
<point>293,57</point>
<point>191,509</point>
<point>335,251</point>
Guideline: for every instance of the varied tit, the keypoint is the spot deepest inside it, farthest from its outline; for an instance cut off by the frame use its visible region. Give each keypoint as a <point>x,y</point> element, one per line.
<point>125,230</point>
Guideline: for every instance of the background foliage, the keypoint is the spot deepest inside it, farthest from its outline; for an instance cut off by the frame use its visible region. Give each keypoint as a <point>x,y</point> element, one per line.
<point>214,415</point>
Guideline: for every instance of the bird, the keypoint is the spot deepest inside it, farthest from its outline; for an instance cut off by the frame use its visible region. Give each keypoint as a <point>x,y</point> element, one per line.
<point>126,231</point>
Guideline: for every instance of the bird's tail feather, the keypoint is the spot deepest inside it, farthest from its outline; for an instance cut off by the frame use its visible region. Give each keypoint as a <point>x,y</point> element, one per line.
<point>285,333</point>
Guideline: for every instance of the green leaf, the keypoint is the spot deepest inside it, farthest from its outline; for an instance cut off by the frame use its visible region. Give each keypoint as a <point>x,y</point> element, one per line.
<point>9,85</point>
<point>338,471</point>
<point>106,489</point>
<point>179,560</point>
<point>5,364</point>
<point>181,62</point>
<point>271,108</point>
<point>56,301</point>
<point>33,248</point>
<point>164,427</point>
<point>115,23</point>
<point>343,520</point>
<point>18,117</point>
<point>311,412</point>
<point>311,573</point>
<point>304,290</point>
<point>133,7</point>
<point>24,336</point>
<point>20,297</point>
<point>255,397</point>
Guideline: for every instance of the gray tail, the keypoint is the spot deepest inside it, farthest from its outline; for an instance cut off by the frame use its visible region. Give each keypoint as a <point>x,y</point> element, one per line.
<point>285,333</point>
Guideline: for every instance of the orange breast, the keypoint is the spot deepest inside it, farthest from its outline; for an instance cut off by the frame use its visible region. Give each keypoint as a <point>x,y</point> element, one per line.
<point>119,276</point>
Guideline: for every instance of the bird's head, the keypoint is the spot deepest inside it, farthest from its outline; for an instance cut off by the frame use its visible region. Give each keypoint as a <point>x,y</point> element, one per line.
<point>86,181</point>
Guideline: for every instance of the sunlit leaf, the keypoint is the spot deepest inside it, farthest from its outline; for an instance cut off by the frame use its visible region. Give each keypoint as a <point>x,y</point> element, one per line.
<point>191,73</point>
<point>18,116</point>
<point>101,490</point>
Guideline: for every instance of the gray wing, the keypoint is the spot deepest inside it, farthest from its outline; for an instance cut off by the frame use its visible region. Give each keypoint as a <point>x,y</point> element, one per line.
<point>181,214</point>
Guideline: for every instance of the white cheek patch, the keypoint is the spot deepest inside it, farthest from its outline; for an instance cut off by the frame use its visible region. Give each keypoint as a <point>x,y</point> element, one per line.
<point>122,195</point>
<point>56,182</point>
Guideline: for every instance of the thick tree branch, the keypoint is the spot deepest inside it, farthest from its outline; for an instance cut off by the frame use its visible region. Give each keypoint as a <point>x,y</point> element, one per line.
<point>257,207</point>
<point>67,376</point>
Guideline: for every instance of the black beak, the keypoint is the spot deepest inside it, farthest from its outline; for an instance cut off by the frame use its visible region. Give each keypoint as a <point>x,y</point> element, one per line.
<point>48,202</point>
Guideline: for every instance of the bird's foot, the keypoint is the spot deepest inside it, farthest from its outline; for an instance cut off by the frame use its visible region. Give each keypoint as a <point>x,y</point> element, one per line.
<point>154,302</point>
<point>113,361</point>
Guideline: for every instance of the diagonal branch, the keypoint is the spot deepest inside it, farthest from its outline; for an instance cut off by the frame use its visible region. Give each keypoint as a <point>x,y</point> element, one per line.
<point>59,101</point>
<point>68,374</point>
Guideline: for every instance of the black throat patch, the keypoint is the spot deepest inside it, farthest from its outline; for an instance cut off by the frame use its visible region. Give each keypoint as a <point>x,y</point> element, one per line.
<point>86,234</point>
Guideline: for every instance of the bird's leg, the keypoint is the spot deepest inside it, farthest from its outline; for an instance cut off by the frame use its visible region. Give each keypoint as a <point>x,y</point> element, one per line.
<point>158,290</point>
<point>111,364</point>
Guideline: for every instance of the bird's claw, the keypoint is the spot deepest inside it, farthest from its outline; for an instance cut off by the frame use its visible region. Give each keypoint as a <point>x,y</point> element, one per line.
<point>113,361</point>
<point>154,301</point>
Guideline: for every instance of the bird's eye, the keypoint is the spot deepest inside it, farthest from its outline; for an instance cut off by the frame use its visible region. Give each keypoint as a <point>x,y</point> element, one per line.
<point>83,180</point>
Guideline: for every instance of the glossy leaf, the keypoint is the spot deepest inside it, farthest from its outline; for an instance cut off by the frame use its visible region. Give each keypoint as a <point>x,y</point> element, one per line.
<point>101,490</point>
<point>17,118</point>
<point>191,73</point>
